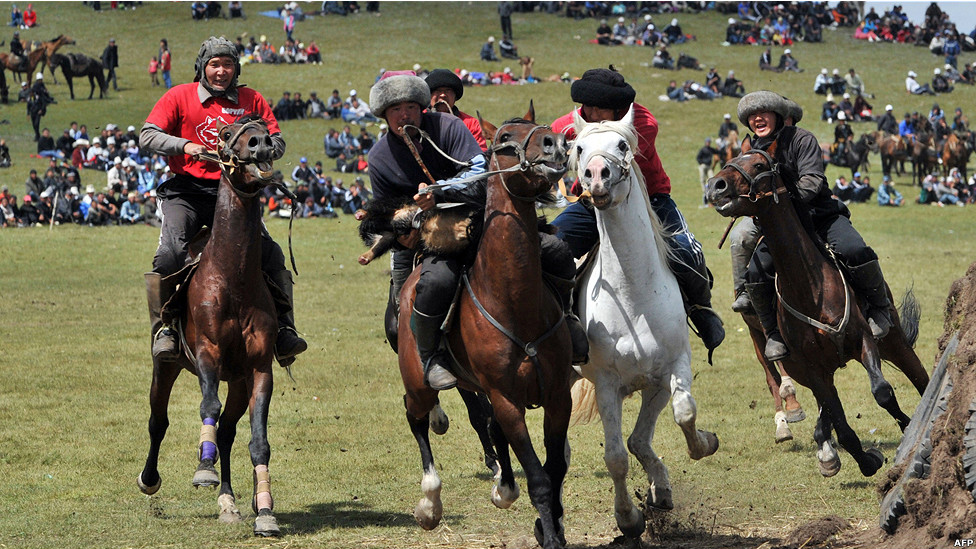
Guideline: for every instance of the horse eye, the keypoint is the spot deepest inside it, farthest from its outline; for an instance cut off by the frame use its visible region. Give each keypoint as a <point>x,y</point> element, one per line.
<point>579,151</point>
<point>622,146</point>
<point>225,135</point>
<point>504,137</point>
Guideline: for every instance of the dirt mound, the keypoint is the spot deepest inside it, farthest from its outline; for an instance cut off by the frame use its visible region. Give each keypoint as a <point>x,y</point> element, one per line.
<point>939,509</point>
<point>816,533</point>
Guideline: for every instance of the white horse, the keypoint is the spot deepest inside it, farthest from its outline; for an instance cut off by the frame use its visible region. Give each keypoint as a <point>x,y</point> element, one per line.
<point>632,310</point>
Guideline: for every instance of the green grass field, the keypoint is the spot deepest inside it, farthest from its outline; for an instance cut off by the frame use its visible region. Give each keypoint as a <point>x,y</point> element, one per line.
<point>74,356</point>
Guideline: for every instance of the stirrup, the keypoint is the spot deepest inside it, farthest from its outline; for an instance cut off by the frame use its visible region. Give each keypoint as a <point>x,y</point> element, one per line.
<point>776,348</point>
<point>296,347</point>
<point>742,303</point>
<point>166,345</point>
<point>436,376</point>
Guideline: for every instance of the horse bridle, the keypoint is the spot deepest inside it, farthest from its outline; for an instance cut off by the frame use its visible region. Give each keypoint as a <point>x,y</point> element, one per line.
<point>773,172</point>
<point>225,150</point>
<point>524,164</point>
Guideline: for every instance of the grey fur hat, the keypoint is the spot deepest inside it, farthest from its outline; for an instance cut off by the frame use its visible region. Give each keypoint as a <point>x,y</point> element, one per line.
<point>396,87</point>
<point>764,100</point>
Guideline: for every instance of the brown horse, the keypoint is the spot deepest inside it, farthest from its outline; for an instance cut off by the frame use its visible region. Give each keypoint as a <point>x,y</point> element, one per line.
<point>505,305</point>
<point>819,316</point>
<point>788,409</point>
<point>40,54</point>
<point>955,154</point>
<point>893,150</point>
<point>731,150</point>
<point>229,326</point>
<point>925,158</point>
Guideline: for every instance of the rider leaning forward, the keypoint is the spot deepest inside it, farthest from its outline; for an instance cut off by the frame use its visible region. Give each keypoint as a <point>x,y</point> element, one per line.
<point>182,125</point>
<point>400,97</point>
<point>604,95</point>
<point>800,162</point>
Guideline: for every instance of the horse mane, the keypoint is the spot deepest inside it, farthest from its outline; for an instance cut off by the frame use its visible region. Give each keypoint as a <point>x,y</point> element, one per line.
<point>628,132</point>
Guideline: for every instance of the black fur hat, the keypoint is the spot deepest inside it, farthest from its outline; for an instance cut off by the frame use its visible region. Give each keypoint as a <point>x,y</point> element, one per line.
<point>603,88</point>
<point>444,78</point>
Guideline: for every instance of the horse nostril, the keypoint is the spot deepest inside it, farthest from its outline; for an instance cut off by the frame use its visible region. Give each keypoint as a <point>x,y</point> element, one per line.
<point>718,184</point>
<point>587,174</point>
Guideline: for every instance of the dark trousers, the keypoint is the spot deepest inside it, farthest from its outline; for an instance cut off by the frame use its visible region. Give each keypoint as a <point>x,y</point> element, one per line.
<point>183,217</point>
<point>507,26</point>
<point>577,226</point>
<point>111,77</point>
<point>835,230</point>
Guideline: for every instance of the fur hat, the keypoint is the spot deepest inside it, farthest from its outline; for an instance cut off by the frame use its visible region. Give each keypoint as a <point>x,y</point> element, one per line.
<point>396,87</point>
<point>444,78</point>
<point>217,47</point>
<point>603,88</point>
<point>764,100</point>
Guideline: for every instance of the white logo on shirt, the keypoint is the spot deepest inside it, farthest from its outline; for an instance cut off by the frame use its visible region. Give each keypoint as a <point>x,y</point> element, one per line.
<point>207,131</point>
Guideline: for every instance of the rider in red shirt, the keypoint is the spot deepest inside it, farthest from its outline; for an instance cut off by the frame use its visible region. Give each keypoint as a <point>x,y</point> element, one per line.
<point>445,89</point>
<point>182,125</point>
<point>604,95</point>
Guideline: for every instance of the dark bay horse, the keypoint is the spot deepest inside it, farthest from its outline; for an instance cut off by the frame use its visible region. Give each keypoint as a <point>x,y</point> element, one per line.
<point>230,326</point>
<point>924,156</point>
<point>74,65</point>
<point>854,157</point>
<point>819,315</point>
<point>503,305</point>
<point>893,150</point>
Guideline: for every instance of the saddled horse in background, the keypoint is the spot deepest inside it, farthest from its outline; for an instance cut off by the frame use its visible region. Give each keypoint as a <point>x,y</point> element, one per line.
<point>229,325</point>
<point>74,65</point>
<point>503,305</point>
<point>36,56</point>
<point>818,313</point>
<point>894,151</point>
<point>638,338</point>
<point>925,158</point>
<point>731,150</point>
<point>955,154</point>
<point>854,157</point>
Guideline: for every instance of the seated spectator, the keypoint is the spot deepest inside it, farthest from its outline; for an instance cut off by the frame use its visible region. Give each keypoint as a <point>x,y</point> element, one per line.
<point>29,213</point>
<point>507,49</point>
<point>131,212</point>
<point>888,195</point>
<point>350,145</point>
<point>283,110</point>
<point>829,111</point>
<point>843,190</point>
<point>343,164</point>
<point>235,9</point>
<point>303,173</point>
<point>821,84</point>
<point>845,106</point>
<point>854,83</point>
<point>812,30</point>
<point>332,145</point>
<point>4,154</point>
<point>311,209</point>
<point>940,84</point>
<point>366,141</point>
<point>837,82</point>
<point>863,109</point>
<point>488,50</point>
<point>788,63</point>
<point>297,106</point>
<point>662,59</point>
<point>359,113</point>
<point>947,193</point>
<point>314,107</point>
<point>913,87</point>
<point>674,92</point>
<point>927,194</point>
<point>674,33</point>
<point>951,74</point>
<point>968,74</point>
<point>333,107</point>
<point>861,188</point>
<point>46,147</point>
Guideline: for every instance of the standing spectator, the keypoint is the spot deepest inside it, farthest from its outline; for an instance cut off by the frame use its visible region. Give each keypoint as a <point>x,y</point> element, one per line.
<point>705,172</point>
<point>488,50</point>
<point>110,60</point>
<point>37,103</point>
<point>154,71</point>
<point>505,10</point>
<point>888,195</point>
<point>165,63</point>
<point>289,24</point>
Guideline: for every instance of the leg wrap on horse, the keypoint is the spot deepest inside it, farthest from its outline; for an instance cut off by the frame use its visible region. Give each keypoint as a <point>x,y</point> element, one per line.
<point>208,439</point>
<point>289,343</point>
<point>869,282</point>
<point>165,344</point>
<point>763,296</point>
<point>262,488</point>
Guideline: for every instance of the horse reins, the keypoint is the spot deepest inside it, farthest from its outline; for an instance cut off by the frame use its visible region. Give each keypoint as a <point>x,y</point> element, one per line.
<point>773,171</point>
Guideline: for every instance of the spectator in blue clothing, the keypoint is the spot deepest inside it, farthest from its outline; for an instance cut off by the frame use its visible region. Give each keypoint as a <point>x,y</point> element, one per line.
<point>332,145</point>
<point>488,50</point>
<point>888,195</point>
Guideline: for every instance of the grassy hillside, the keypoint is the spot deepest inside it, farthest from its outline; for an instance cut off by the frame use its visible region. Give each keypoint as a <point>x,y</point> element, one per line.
<point>75,366</point>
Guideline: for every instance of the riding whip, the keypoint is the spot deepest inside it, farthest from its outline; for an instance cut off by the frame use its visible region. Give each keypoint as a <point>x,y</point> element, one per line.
<point>727,231</point>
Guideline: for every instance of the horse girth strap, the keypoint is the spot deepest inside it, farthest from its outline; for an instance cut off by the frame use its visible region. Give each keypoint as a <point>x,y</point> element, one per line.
<point>836,333</point>
<point>532,348</point>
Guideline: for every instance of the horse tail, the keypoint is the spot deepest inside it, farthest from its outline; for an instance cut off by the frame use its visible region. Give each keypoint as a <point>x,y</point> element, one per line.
<point>910,311</point>
<point>584,402</point>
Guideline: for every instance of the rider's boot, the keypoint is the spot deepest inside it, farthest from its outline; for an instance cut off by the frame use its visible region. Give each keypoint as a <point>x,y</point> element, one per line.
<point>697,291</point>
<point>288,343</point>
<point>763,296</point>
<point>427,332</point>
<point>165,344</point>
<point>564,291</point>
<point>868,281</point>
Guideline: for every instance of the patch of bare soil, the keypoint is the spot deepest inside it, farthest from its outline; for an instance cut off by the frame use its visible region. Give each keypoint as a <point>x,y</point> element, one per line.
<point>939,509</point>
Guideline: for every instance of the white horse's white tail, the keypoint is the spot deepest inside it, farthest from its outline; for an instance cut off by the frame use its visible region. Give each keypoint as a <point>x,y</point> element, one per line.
<point>585,409</point>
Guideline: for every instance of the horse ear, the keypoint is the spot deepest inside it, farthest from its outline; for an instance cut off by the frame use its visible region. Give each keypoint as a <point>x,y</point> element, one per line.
<point>746,143</point>
<point>628,118</point>
<point>530,115</point>
<point>772,148</point>
<point>488,130</point>
<point>578,122</point>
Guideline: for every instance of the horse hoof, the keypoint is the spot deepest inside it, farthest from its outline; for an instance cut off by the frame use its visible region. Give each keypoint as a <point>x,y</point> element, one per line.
<point>711,445</point>
<point>783,433</point>
<point>660,499</point>
<point>205,476</point>
<point>633,526</point>
<point>795,416</point>
<point>540,537</point>
<point>229,514</point>
<point>266,526</point>
<point>503,498</point>
<point>829,460</point>
<point>428,514</point>
<point>148,490</point>
<point>230,517</point>
<point>874,459</point>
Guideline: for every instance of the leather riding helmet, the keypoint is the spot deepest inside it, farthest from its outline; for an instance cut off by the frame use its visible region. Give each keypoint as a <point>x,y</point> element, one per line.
<point>217,47</point>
